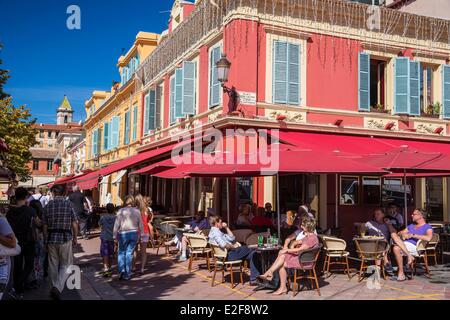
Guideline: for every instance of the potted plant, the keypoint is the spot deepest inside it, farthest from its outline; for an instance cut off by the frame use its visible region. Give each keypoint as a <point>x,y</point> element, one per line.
<point>433,110</point>
<point>378,108</point>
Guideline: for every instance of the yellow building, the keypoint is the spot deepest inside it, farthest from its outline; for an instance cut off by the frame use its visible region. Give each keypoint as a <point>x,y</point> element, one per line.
<point>113,129</point>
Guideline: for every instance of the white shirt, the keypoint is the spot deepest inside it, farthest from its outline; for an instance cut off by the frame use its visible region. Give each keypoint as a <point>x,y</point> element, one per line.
<point>300,234</point>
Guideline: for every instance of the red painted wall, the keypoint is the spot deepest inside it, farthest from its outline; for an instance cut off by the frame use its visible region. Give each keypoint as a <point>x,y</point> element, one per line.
<point>203,79</point>
<point>187,10</point>
<point>332,73</point>
<point>240,45</point>
<point>166,101</point>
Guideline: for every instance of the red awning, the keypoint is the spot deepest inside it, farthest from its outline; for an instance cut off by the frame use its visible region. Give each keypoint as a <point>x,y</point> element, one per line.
<point>62,180</point>
<point>91,180</point>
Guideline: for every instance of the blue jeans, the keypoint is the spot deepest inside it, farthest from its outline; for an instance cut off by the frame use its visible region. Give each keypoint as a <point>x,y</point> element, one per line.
<point>246,253</point>
<point>127,244</point>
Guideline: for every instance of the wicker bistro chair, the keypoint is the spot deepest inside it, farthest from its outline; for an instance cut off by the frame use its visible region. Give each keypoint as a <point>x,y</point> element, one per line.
<point>242,234</point>
<point>432,247</point>
<point>335,248</point>
<point>421,255</point>
<point>221,263</point>
<point>166,232</point>
<point>198,245</point>
<point>308,260</point>
<point>370,250</point>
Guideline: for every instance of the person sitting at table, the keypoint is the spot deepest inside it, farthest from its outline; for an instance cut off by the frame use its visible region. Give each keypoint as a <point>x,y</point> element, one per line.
<point>243,221</point>
<point>381,226</point>
<point>298,234</point>
<point>395,216</point>
<point>260,222</point>
<point>406,240</point>
<point>268,211</point>
<point>227,241</point>
<point>198,223</point>
<point>288,257</point>
<point>304,210</point>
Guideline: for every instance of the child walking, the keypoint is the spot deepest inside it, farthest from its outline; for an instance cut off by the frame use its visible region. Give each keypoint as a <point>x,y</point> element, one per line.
<point>107,239</point>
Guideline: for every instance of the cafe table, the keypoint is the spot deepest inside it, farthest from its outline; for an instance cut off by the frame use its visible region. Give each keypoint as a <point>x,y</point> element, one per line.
<point>266,253</point>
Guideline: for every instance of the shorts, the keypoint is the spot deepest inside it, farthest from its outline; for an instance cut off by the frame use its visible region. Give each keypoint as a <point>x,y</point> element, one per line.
<point>107,248</point>
<point>145,238</point>
<point>412,248</point>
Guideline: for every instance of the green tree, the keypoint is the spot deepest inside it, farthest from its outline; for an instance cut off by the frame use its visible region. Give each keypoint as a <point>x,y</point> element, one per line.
<point>4,76</point>
<point>16,129</point>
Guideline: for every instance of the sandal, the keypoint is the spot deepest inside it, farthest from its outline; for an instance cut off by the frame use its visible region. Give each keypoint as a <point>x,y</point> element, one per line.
<point>399,279</point>
<point>266,278</point>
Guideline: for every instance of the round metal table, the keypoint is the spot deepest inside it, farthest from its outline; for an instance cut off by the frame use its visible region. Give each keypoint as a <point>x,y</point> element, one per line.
<point>265,253</point>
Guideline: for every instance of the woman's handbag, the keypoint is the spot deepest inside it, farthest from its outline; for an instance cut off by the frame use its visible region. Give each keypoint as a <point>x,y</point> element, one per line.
<point>10,252</point>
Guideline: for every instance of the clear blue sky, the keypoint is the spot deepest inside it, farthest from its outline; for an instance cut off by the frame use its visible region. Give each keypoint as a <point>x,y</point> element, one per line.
<point>47,60</point>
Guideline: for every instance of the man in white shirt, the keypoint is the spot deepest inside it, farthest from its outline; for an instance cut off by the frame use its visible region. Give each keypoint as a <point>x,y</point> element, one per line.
<point>235,251</point>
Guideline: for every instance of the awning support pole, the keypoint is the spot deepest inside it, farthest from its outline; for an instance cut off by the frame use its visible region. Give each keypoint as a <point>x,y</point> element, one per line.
<point>405,213</point>
<point>336,216</point>
<point>278,205</point>
<point>228,200</point>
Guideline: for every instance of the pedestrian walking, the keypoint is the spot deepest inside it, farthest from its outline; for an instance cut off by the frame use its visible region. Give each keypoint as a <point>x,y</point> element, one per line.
<point>127,228</point>
<point>21,218</point>
<point>106,223</point>
<point>9,241</point>
<point>146,216</point>
<point>60,227</point>
<point>78,203</point>
<point>37,276</point>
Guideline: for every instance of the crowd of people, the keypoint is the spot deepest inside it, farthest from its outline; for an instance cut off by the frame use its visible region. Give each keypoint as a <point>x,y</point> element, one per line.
<point>46,227</point>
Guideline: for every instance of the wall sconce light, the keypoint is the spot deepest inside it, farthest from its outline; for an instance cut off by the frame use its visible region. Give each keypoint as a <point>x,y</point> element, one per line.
<point>389,126</point>
<point>338,122</point>
<point>439,130</point>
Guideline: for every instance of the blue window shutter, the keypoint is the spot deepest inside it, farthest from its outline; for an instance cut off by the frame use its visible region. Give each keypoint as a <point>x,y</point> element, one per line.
<point>402,85</point>
<point>293,74</point>
<point>179,93</point>
<point>94,143</point>
<point>106,136</point>
<point>135,119</point>
<point>446,91</point>
<point>214,85</point>
<point>414,88</point>
<point>189,87</point>
<point>115,132</point>
<point>146,113</point>
<point>364,82</point>
<point>152,110</point>
<point>172,100</point>
<point>126,138</point>
<point>280,72</point>
<point>159,99</point>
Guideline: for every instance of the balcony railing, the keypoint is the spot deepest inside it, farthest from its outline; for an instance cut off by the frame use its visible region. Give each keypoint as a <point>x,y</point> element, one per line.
<point>209,16</point>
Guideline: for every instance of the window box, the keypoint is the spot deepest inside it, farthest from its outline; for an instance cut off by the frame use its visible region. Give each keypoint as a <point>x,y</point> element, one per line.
<point>378,109</point>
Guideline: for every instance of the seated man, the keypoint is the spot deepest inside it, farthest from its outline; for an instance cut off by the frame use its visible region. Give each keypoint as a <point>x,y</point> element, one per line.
<point>261,223</point>
<point>381,226</point>
<point>406,240</point>
<point>197,224</point>
<point>235,251</point>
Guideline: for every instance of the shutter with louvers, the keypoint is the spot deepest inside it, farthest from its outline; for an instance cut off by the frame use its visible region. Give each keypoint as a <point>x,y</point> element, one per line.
<point>159,95</point>
<point>106,136</point>
<point>446,91</point>
<point>172,100</point>
<point>99,140</point>
<point>146,113</point>
<point>414,88</point>
<point>293,77</point>
<point>179,93</point>
<point>115,132</point>
<point>402,85</point>
<point>135,119</point>
<point>126,138</point>
<point>110,135</point>
<point>152,110</point>
<point>189,93</point>
<point>94,143</point>
<point>214,85</point>
<point>364,82</point>
<point>280,71</point>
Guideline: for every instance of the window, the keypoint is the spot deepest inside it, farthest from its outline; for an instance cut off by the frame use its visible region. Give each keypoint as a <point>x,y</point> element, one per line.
<point>446,91</point>
<point>35,165</point>
<point>371,190</point>
<point>126,139</point>
<point>349,190</point>
<point>371,83</point>
<point>135,120</point>
<point>65,119</point>
<point>49,165</point>
<point>407,87</point>
<point>286,73</point>
<point>159,106</point>
<point>172,118</point>
<point>214,83</point>
<point>115,135</point>
<point>41,134</point>
<point>426,90</point>
<point>146,113</point>
<point>50,134</point>
<point>106,136</point>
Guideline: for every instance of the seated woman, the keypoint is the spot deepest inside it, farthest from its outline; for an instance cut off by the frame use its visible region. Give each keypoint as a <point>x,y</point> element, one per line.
<point>243,221</point>
<point>288,257</point>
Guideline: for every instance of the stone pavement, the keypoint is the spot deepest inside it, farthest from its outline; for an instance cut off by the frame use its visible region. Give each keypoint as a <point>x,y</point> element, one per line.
<point>168,279</point>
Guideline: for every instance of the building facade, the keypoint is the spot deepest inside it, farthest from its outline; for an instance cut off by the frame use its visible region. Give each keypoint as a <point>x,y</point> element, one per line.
<point>113,126</point>
<point>296,70</point>
<point>45,166</point>
<point>436,8</point>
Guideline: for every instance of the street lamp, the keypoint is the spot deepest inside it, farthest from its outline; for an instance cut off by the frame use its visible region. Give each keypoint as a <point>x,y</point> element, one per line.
<point>223,70</point>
